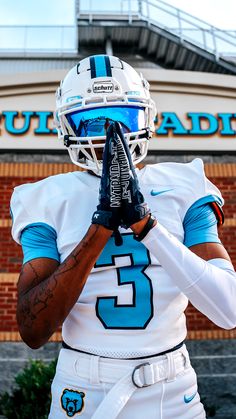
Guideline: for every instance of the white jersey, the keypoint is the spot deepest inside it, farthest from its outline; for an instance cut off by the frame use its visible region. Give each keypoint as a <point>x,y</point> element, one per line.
<point>129,307</point>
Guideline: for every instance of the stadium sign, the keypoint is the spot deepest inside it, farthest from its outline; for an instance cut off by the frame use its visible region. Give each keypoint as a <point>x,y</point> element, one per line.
<point>197,124</point>
<point>191,131</point>
<point>16,123</point>
<point>167,123</point>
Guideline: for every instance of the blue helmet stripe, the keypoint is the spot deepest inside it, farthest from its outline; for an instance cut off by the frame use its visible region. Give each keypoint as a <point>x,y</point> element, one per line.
<point>92,67</point>
<point>108,65</point>
<point>100,66</point>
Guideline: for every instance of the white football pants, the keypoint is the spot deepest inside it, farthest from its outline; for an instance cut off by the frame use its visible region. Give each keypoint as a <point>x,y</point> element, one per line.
<point>92,387</point>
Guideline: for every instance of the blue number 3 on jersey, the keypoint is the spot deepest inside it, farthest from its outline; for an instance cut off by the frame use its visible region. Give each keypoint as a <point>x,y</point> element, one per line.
<point>127,316</point>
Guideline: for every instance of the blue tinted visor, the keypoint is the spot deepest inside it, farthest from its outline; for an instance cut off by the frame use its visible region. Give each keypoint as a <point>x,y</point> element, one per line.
<point>94,122</point>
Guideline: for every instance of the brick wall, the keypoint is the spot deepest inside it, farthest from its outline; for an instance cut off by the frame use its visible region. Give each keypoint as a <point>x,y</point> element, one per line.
<point>224,177</point>
<point>13,174</point>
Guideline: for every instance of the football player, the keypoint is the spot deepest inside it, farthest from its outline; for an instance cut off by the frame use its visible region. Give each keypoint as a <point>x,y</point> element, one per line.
<point>113,254</point>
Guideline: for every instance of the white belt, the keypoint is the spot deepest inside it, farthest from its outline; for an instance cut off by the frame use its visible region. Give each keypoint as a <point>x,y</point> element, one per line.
<point>127,375</point>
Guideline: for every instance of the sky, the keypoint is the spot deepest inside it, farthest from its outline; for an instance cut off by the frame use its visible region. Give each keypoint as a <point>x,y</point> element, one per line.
<point>40,12</point>
<point>219,13</point>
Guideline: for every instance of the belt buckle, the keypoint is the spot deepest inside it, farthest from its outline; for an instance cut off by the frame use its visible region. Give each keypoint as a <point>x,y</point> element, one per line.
<point>137,368</point>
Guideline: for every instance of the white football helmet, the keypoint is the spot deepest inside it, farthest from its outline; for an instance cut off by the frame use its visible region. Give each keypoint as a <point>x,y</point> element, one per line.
<point>97,91</point>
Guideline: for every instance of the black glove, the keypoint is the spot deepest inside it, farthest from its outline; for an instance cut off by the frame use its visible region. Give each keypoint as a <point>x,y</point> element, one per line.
<point>108,211</point>
<point>133,206</point>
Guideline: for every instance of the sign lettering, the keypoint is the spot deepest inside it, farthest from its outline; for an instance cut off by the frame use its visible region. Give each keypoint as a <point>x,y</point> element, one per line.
<point>167,124</point>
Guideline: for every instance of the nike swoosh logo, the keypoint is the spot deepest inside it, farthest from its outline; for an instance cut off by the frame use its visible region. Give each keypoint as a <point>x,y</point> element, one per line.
<point>155,193</point>
<point>188,399</point>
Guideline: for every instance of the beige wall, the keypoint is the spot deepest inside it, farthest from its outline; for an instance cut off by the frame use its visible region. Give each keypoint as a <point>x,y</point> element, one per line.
<point>173,91</point>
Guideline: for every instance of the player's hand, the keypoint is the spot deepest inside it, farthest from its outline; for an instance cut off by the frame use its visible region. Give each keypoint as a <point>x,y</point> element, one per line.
<point>108,213</point>
<point>133,205</point>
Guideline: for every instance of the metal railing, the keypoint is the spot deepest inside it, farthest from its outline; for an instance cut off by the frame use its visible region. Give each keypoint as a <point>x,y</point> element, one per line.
<point>167,17</point>
<point>64,39</point>
<point>44,39</point>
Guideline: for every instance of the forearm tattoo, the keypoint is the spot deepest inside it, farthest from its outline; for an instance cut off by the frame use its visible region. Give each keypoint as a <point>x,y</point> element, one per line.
<point>37,298</point>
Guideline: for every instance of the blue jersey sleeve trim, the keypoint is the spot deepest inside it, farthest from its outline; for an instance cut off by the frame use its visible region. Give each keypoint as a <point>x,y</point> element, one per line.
<point>200,223</point>
<point>38,240</point>
<point>206,200</point>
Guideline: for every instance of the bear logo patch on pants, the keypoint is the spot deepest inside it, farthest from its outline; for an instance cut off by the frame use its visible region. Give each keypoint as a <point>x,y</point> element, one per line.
<point>72,401</point>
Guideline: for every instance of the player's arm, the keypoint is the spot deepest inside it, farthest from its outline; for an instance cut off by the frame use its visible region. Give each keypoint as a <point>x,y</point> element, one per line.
<point>209,285</point>
<point>206,251</point>
<point>203,272</point>
<point>47,291</point>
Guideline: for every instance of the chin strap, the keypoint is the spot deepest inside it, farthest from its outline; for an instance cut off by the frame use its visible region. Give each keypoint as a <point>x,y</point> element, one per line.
<point>67,141</point>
